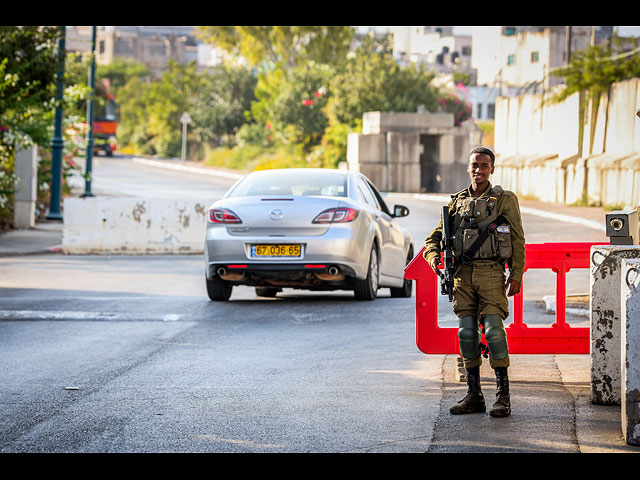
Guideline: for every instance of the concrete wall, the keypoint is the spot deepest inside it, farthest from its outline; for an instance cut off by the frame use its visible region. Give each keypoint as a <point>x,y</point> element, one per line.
<point>388,150</point>
<point>26,170</point>
<point>368,154</point>
<point>133,226</point>
<point>548,152</point>
<point>403,159</point>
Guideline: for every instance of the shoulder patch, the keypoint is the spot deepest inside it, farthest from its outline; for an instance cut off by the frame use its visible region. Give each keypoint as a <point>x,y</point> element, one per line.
<point>497,190</point>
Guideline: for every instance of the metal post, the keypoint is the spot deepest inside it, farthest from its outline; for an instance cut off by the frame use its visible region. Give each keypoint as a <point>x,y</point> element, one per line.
<point>184,141</point>
<point>92,86</point>
<point>185,119</point>
<point>57,143</point>
<point>630,352</point>
<point>568,44</point>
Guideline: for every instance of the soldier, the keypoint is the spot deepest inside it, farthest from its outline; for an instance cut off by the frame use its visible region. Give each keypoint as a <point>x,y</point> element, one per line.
<point>479,288</point>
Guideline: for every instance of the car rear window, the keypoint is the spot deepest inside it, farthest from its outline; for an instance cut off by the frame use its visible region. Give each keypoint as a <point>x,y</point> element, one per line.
<point>288,183</point>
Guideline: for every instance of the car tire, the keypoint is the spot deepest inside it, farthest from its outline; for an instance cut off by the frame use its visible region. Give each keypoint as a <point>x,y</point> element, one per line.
<point>405,290</point>
<point>218,289</point>
<point>367,289</point>
<point>267,291</point>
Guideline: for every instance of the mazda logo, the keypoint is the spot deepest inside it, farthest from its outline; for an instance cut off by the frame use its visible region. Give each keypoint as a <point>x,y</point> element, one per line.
<point>276,214</point>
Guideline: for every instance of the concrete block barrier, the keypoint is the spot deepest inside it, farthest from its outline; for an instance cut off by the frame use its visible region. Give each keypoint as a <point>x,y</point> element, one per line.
<point>630,351</point>
<point>133,226</point>
<point>605,320</point>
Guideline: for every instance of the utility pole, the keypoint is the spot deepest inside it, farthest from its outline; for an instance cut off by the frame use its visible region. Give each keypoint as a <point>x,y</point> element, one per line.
<point>92,86</point>
<point>57,143</point>
<point>568,46</point>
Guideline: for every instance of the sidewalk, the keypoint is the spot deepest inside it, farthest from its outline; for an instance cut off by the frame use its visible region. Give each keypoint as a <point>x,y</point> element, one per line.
<point>45,237</point>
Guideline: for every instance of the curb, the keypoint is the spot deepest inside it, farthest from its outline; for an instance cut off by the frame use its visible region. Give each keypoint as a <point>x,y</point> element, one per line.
<point>185,168</point>
<point>418,196</point>
<point>528,210</point>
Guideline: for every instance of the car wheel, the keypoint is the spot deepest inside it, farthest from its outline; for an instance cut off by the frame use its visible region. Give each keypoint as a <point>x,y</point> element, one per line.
<point>218,289</point>
<point>267,291</point>
<point>405,290</point>
<point>367,289</point>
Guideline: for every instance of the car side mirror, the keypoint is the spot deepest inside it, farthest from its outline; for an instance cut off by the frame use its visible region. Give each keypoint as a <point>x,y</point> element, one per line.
<point>400,211</point>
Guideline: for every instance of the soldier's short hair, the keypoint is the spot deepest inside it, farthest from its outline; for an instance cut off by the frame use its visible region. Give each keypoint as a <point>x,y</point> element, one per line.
<point>486,151</point>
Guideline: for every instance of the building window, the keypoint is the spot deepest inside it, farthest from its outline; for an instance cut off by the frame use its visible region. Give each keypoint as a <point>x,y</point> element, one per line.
<point>511,60</point>
<point>491,110</point>
<point>466,51</point>
<point>535,56</point>
<point>509,31</point>
<point>101,46</point>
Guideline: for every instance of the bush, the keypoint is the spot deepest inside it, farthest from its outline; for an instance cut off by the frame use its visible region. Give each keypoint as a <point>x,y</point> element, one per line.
<point>237,158</point>
<point>254,134</point>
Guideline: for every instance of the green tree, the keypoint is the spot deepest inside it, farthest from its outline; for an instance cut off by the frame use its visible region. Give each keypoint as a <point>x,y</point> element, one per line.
<point>29,63</point>
<point>371,80</point>
<point>151,111</point>
<point>219,105</point>
<point>594,69</point>
<point>292,103</point>
<point>119,71</point>
<point>286,46</point>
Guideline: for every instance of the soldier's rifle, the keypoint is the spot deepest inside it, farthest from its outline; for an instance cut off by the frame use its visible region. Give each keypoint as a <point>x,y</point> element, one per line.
<point>446,277</point>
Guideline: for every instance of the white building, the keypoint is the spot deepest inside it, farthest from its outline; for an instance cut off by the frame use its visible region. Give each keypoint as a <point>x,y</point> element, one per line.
<point>151,45</point>
<point>436,47</point>
<point>519,59</point>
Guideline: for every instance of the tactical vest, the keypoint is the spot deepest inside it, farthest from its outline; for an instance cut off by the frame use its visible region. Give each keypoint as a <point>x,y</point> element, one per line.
<point>475,215</point>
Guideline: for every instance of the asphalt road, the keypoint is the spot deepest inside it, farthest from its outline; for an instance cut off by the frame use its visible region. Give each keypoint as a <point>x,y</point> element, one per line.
<point>127,354</point>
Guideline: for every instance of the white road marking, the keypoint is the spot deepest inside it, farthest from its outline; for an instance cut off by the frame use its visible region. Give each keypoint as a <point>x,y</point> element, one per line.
<point>78,315</point>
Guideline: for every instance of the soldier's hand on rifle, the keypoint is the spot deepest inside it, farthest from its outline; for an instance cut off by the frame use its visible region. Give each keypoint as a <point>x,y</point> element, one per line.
<point>435,261</point>
<point>513,286</point>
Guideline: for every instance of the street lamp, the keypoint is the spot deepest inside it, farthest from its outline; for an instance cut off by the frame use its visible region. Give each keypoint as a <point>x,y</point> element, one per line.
<point>92,86</point>
<point>57,143</point>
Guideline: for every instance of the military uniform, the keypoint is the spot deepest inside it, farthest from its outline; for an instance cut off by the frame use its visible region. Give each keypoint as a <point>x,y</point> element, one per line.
<point>479,297</point>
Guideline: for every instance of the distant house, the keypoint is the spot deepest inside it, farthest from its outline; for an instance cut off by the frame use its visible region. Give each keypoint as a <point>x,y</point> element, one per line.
<point>153,46</point>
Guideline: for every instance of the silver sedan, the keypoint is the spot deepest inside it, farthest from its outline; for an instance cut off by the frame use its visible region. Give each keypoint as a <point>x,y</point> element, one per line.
<point>307,228</point>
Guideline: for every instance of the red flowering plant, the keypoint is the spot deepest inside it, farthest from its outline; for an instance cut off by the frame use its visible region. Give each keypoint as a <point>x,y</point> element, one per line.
<point>451,103</point>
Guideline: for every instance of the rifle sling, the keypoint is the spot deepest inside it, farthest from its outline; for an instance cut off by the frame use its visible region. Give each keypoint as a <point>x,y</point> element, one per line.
<point>482,236</point>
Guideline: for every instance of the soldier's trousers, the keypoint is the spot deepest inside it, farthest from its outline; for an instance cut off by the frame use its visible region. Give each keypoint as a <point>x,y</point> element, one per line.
<point>478,293</point>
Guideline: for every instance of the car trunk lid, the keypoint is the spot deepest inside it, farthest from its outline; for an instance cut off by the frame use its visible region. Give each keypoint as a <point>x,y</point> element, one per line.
<point>279,216</point>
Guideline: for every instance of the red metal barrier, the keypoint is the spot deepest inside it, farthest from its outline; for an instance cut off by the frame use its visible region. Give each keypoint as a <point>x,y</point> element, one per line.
<point>558,338</point>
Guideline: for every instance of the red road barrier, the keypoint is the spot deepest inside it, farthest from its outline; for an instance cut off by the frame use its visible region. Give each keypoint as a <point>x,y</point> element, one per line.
<point>558,338</point>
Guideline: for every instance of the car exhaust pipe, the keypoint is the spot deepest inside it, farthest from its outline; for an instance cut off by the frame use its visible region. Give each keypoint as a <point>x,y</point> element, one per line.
<point>333,275</point>
<point>223,274</point>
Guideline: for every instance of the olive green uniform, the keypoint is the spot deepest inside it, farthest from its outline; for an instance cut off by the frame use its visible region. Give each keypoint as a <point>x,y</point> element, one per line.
<point>479,296</point>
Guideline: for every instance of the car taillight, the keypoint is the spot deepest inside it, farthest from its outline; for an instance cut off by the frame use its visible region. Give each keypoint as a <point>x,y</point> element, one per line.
<point>223,215</point>
<point>336,215</point>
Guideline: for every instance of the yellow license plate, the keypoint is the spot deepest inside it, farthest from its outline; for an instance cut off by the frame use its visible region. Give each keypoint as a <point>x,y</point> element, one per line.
<point>275,250</point>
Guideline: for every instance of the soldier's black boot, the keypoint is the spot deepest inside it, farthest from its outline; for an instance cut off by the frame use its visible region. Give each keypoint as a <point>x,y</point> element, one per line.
<point>502,407</point>
<point>473,402</point>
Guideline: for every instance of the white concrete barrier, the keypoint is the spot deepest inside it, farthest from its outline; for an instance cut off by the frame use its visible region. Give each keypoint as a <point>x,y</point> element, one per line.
<point>133,226</point>
<point>630,351</point>
<point>605,320</point>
